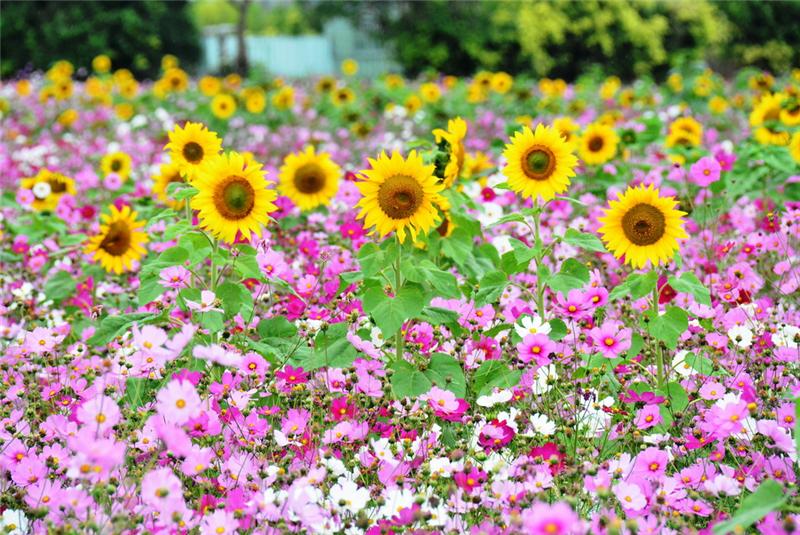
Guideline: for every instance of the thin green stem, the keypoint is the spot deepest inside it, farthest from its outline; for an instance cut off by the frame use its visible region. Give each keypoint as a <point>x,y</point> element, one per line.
<point>659,351</point>
<point>537,236</point>
<point>214,266</point>
<point>398,283</point>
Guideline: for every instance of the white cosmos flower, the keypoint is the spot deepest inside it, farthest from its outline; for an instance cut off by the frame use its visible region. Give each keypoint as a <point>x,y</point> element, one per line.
<point>531,325</point>
<point>497,396</point>
<point>41,190</point>
<point>348,496</point>
<point>786,336</point>
<point>741,336</point>
<point>680,365</point>
<point>540,425</point>
<point>13,522</point>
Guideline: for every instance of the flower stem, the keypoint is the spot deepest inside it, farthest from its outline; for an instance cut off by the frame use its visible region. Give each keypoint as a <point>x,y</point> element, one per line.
<point>537,237</point>
<point>398,282</point>
<point>214,266</point>
<point>659,352</point>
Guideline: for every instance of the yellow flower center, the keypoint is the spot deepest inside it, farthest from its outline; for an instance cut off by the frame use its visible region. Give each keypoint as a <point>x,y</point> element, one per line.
<point>180,403</point>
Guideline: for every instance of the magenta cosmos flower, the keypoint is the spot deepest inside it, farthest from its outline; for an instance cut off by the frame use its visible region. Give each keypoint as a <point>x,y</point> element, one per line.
<point>610,340</point>
<point>705,171</point>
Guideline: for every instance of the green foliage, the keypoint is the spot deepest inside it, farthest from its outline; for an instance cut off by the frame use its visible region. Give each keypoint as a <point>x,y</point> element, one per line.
<point>769,496</point>
<point>134,34</point>
<point>285,19</point>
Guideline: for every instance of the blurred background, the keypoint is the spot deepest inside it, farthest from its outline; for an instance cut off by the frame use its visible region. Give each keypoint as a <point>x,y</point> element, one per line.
<point>295,38</point>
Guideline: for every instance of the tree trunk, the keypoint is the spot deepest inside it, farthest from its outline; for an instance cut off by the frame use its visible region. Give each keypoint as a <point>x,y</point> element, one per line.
<point>241,48</point>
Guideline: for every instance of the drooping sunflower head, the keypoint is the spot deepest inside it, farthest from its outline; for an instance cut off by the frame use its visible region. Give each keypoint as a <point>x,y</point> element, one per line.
<point>642,226</point>
<point>309,179</point>
<point>116,162</point>
<point>169,173</point>
<point>450,160</point>
<point>685,131</point>
<point>232,197</point>
<point>120,241</point>
<point>192,145</point>
<point>399,195</point>
<point>47,188</point>
<point>598,144</point>
<point>540,163</point>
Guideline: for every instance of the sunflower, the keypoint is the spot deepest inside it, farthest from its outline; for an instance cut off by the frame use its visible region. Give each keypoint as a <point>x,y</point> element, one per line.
<point>168,174</point>
<point>451,144</point>
<point>284,98</point>
<point>475,163</point>
<point>254,99</point>
<point>47,188</point>
<point>325,84</point>
<point>191,146</point>
<point>765,117</point>
<point>567,127</point>
<point>501,82</point>
<point>540,163</point>
<point>640,225</point>
<point>232,197</point>
<point>120,242</point>
<point>343,96</point>
<point>223,106</point>
<point>101,64</point>
<point>116,162</point>
<point>794,147</point>
<point>209,85</point>
<point>309,179</point>
<point>790,114</point>
<point>399,195</point>
<point>686,131</point>
<point>175,80</point>
<point>598,144</point>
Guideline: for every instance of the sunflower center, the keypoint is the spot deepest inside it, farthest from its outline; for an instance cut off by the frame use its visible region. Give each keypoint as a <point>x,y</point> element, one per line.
<point>539,163</point>
<point>193,152</point>
<point>116,165</point>
<point>175,178</point>
<point>235,198</point>
<point>643,224</point>
<point>56,186</point>
<point>309,179</point>
<point>596,144</point>
<point>400,196</point>
<point>118,239</point>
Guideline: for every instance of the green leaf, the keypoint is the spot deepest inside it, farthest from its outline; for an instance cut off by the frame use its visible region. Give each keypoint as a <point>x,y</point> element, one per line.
<point>60,286</point>
<point>635,285</point>
<point>407,381</point>
<point>198,246</point>
<point>768,497</point>
<point>584,240</point>
<point>185,193</point>
<point>440,316</point>
<point>677,396</point>
<point>277,327</point>
<point>332,349</point>
<point>491,288</point>
<point>445,372</point>
<point>235,299</point>
<point>458,246</point>
<point>572,275</point>
<point>137,391</point>
<point>150,289</point>
<point>113,326</point>
<point>669,326</point>
<point>371,259</point>
<point>689,283</point>
<point>637,343</point>
<point>494,373</point>
<point>558,329</point>
<point>699,363</point>
<point>425,271</point>
<point>390,313</point>
<point>510,218</point>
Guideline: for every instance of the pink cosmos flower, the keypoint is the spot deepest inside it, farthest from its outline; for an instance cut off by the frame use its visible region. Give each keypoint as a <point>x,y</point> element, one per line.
<point>217,353</point>
<point>550,519</point>
<point>651,463</point>
<point>705,171</point>
<point>537,347</point>
<point>630,496</point>
<point>40,340</point>
<point>647,417</point>
<point>495,435</point>
<point>610,339</point>
<point>445,404</point>
<point>469,481</point>
<point>162,490</point>
<point>175,277</point>
<point>100,413</point>
<point>178,402</point>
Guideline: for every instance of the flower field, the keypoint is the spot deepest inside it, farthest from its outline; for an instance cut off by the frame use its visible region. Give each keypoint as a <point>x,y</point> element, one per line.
<point>477,305</point>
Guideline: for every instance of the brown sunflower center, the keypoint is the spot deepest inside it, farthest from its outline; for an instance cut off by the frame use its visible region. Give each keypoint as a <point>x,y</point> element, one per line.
<point>309,178</point>
<point>116,165</point>
<point>57,186</point>
<point>644,224</point>
<point>234,198</point>
<point>400,196</point>
<point>539,163</point>
<point>118,239</point>
<point>596,144</point>
<point>193,152</point>
<point>175,178</point>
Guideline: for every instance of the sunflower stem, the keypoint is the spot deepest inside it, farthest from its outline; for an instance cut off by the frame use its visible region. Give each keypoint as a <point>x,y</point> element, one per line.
<point>398,282</point>
<point>539,255</point>
<point>214,266</point>
<point>659,351</point>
